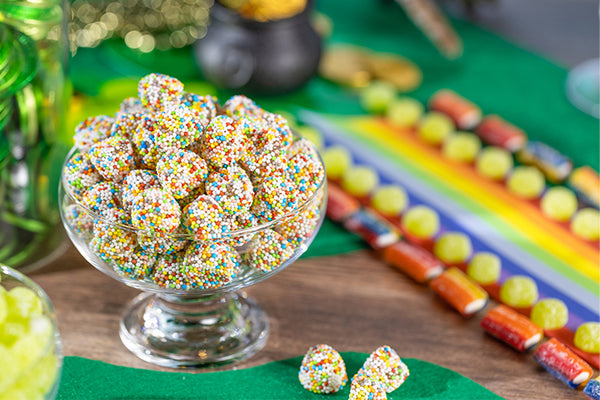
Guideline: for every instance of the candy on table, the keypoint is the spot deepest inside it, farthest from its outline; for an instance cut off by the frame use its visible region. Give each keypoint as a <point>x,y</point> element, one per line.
<point>592,389</point>
<point>205,107</point>
<point>385,366</point>
<point>322,370</point>
<point>113,158</point>
<point>177,127</point>
<point>484,268</point>
<point>365,388</point>
<point>238,106</point>
<point>337,160</point>
<point>494,162</point>
<point>495,131</point>
<point>181,172</point>
<point>460,291</point>
<point>340,205</point>
<point>268,251</point>
<point>135,183</point>
<point>155,210</point>
<point>210,265</point>
<point>204,218</point>
<point>389,200</point>
<point>551,162</point>
<point>461,147</point>
<point>453,247</point>
<point>549,314</point>
<point>586,224</point>
<point>414,261</point>
<point>375,230</point>
<point>359,181</point>
<point>231,188</point>
<point>80,175</point>
<point>464,113</point>
<point>112,239</point>
<point>586,183</point>
<point>144,141</point>
<point>79,220</point>
<point>101,196</point>
<point>92,130</point>
<point>421,221</point>
<point>511,327</point>
<point>587,337</point>
<point>274,197</point>
<point>563,364</point>
<point>158,91</point>
<point>434,127</point>
<point>519,291</point>
<point>559,203</point>
<point>376,97</point>
<point>526,182</point>
<point>404,112</point>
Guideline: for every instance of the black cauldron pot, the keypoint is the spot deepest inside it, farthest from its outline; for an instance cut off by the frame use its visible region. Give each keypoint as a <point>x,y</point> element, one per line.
<point>268,58</point>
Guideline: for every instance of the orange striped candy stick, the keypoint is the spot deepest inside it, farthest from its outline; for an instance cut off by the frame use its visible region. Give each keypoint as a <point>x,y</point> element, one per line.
<point>414,261</point>
<point>511,327</point>
<point>460,291</point>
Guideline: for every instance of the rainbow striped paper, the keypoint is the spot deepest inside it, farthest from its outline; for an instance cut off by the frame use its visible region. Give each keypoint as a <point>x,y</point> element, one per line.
<point>527,242</point>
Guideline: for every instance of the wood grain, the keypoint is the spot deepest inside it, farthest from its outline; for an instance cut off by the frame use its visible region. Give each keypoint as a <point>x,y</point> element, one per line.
<point>352,302</point>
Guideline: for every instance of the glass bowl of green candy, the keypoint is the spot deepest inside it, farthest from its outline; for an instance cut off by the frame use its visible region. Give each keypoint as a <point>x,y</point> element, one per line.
<point>30,346</point>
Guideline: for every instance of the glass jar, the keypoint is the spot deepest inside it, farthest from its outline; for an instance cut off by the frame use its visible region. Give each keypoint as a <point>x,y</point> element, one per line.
<point>30,345</point>
<point>33,102</point>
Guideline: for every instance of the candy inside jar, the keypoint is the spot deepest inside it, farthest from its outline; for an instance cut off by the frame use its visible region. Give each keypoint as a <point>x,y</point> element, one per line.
<point>192,201</point>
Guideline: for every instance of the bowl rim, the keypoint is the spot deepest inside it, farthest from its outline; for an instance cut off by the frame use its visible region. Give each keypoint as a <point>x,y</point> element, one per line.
<point>190,236</point>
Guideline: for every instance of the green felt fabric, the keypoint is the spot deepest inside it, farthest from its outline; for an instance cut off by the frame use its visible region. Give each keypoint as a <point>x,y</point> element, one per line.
<point>84,379</point>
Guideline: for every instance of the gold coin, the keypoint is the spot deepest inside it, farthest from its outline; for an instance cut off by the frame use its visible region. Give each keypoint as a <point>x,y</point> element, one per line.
<point>400,72</point>
<point>346,65</point>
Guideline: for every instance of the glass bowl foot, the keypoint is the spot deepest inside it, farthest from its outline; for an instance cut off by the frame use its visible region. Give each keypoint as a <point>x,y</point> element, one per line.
<point>199,332</point>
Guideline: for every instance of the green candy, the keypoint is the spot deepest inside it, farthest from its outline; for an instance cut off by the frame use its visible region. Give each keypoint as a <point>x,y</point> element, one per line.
<point>376,97</point>
<point>587,337</point>
<point>549,314</point>
<point>484,268</point>
<point>519,291</point>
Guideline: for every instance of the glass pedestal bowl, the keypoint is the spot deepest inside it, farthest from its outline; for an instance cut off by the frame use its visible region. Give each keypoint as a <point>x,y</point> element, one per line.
<point>192,313</point>
<point>30,346</point>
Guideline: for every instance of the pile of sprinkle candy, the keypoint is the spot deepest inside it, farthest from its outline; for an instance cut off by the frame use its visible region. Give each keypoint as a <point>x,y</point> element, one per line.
<point>173,175</point>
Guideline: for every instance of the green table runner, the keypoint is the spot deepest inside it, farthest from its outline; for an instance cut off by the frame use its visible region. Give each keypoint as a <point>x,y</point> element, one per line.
<point>85,379</point>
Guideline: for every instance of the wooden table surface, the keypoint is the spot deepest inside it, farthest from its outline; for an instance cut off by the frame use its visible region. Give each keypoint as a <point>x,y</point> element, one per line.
<point>352,302</point>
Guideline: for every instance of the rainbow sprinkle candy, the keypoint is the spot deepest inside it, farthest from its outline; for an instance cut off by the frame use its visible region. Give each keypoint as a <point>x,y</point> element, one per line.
<point>322,370</point>
<point>386,367</point>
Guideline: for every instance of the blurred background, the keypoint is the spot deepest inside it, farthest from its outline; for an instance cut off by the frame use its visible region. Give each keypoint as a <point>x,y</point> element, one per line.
<point>61,62</point>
